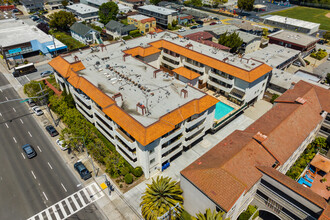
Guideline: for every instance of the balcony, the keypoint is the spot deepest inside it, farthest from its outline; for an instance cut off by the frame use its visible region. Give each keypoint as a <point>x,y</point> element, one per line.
<point>170,64</point>
<point>221,78</point>
<point>126,156</point>
<point>195,136</point>
<point>125,139</point>
<point>171,56</point>
<point>238,94</point>
<point>200,69</point>
<point>172,135</point>
<point>176,149</point>
<point>196,120</point>
<point>216,85</point>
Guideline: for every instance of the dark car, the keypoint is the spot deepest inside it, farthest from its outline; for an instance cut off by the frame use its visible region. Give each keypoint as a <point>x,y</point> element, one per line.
<point>213,23</point>
<point>199,26</point>
<point>193,27</point>
<point>31,103</point>
<point>51,130</point>
<point>82,170</point>
<point>29,151</point>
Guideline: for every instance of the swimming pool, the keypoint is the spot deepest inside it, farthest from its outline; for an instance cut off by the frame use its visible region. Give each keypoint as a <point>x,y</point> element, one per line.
<point>221,109</point>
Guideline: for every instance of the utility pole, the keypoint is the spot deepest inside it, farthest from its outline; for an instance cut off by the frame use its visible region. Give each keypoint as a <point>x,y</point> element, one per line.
<point>54,45</point>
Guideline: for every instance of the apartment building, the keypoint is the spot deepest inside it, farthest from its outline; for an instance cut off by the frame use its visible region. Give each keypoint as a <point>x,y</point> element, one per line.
<point>143,23</point>
<point>84,12</point>
<point>32,5</point>
<point>248,166</point>
<point>151,116</point>
<point>163,16</point>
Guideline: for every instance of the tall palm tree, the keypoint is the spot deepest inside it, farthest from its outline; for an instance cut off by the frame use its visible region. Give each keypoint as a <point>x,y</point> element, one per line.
<point>160,196</point>
<point>209,215</point>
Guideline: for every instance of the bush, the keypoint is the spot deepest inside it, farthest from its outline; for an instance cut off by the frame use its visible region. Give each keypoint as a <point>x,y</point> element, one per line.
<point>319,55</point>
<point>127,37</point>
<point>124,171</point>
<point>134,32</point>
<point>137,172</point>
<point>121,186</point>
<point>128,178</point>
<point>248,213</point>
<point>275,96</point>
<point>307,62</point>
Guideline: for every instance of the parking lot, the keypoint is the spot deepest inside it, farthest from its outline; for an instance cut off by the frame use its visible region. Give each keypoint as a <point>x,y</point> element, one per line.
<point>33,76</point>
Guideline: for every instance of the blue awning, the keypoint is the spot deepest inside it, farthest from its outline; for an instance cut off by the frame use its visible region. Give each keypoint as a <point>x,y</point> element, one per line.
<point>52,49</point>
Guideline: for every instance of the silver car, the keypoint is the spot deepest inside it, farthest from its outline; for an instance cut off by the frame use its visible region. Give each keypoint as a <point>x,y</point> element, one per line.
<point>37,110</point>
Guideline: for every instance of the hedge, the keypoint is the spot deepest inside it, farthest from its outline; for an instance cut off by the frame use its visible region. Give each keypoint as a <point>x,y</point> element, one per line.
<point>128,178</point>
<point>137,172</point>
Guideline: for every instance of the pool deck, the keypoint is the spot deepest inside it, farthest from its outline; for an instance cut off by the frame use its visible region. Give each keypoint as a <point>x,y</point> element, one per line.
<point>224,100</point>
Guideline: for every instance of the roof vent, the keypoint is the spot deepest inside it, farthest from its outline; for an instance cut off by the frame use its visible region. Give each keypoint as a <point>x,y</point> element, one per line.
<point>260,137</point>
<point>300,100</point>
<point>185,93</point>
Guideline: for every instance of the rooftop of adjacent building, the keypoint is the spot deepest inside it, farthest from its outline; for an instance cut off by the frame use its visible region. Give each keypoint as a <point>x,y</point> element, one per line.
<point>82,8</point>
<point>97,2</point>
<point>292,21</point>
<point>294,37</point>
<point>157,9</point>
<point>14,32</point>
<point>141,17</point>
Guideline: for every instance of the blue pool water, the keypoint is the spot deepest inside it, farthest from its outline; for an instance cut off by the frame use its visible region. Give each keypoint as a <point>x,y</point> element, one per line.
<point>221,109</point>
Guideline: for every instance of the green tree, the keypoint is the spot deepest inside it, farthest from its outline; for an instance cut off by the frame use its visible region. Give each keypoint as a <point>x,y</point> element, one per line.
<point>197,3</point>
<point>326,35</point>
<point>155,2</point>
<point>65,3</point>
<point>61,20</point>
<point>174,23</point>
<point>108,11</point>
<point>327,78</point>
<point>209,215</point>
<point>275,96</point>
<point>320,142</point>
<point>160,196</point>
<point>231,40</point>
<point>246,5</point>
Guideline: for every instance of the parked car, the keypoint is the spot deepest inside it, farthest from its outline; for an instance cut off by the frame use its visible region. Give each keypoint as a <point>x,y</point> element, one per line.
<point>199,26</point>
<point>60,143</point>
<point>51,130</point>
<point>46,73</point>
<point>328,58</point>
<point>37,110</point>
<point>297,63</point>
<point>31,103</point>
<point>213,23</point>
<point>193,27</point>
<point>219,22</point>
<point>182,30</point>
<point>29,151</point>
<point>216,18</point>
<point>82,170</point>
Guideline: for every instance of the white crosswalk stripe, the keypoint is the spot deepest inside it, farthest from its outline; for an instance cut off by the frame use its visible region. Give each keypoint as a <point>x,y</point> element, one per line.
<point>91,193</point>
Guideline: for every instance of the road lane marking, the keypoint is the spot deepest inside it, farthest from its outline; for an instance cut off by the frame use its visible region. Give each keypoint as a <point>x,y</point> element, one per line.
<point>6,125</point>
<point>30,134</point>
<point>14,109</point>
<point>57,216</point>
<point>39,148</point>
<point>23,156</point>
<point>64,187</point>
<point>45,195</point>
<point>33,175</point>
<point>50,165</point>
<point>0,114</point>
<point>0,90</point>
<point>15,140</point>
<point>6,98</point>
<point>21,121</point>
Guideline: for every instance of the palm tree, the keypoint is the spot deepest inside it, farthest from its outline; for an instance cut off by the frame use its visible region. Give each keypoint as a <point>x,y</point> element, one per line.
<point>209,215</point>
<point>161,195</point>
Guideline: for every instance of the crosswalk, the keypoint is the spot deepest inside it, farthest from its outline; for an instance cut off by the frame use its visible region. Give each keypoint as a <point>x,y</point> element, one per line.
<point>71,204</point>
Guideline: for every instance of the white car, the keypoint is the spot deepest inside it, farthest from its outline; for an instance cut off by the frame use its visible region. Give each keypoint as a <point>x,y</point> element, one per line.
<point>182,30</point>
<point>37,110</point>
<point>60,143</point>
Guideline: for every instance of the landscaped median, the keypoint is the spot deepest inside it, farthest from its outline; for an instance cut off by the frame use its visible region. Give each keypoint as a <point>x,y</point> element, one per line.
<point>77,126</point>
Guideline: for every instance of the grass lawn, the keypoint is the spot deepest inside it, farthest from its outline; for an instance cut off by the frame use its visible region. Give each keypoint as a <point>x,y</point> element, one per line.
<point>68,40</point>
<point>308,14</point>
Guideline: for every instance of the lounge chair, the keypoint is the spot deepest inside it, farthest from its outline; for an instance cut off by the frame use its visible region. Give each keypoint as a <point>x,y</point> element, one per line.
<point>308,179</point>
<point>303,181</point>
<point>312,170</point>
<point>309,174</point>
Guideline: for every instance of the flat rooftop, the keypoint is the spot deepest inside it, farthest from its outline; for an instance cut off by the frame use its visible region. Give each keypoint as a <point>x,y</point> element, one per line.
<point>294,37</point>
<point>82,8</point>
<point>157,9</point>
<point>13,32</point>
<point>293,22</point>
<point>97,2</point>
<point>273,54</point>
<point>139,17</point>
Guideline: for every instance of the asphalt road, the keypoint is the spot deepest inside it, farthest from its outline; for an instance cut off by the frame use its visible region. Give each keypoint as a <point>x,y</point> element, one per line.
<point>28,186</point>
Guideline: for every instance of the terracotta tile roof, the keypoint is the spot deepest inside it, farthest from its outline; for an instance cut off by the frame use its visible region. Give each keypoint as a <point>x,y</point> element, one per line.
<point>141,51</point>
<point>228,169</point>
<point>148,20</point>
<point>186,17</point>
<point>144,135</point>
<point>199,36</point>
<point>248,76</point>
<point>325,214</point>
<point>321,162</point>
<point>294,186</point>
<point>186,73</point>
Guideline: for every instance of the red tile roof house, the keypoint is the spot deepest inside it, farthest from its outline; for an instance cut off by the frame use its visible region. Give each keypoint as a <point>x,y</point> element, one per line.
<point>249,166</point>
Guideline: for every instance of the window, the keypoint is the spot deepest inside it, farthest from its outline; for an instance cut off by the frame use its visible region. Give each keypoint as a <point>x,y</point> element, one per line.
<point>152,151</point>
<point>152,161</point>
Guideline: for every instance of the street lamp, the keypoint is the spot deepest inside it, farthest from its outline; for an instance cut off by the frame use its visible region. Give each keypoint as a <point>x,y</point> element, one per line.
<point>86,151</point>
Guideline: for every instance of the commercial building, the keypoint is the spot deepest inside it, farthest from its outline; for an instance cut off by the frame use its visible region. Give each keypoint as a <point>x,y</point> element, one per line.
<point>151,116</point>
<point>84,12</point>
<point>85,34</point>
<point>248,166</point>
<point>32,5</point>
<point>164,16</point>
<point>292,24</point>
<point>19,40</point>
<point>143,23</point>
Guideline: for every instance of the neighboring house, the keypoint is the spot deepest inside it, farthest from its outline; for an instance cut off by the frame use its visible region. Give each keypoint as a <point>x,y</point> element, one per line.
<point>135,2</point>
<point>164,16</point>
<point>298,41</point>
<point>185,19</point>
<point>292,24</point>
<point>117,29</point>
<point>248,167</point>
<point>53,4</point>
<point>95,3</point>
<point>84,12</point>
<point>123,9</point>
<point>143,23</point>
<point>207,39</point>
<point>32,5</point>
<point>85,34</point>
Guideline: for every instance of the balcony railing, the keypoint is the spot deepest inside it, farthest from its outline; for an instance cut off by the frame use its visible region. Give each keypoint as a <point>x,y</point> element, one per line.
<point>221,78</point>
<point>216,85</point>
